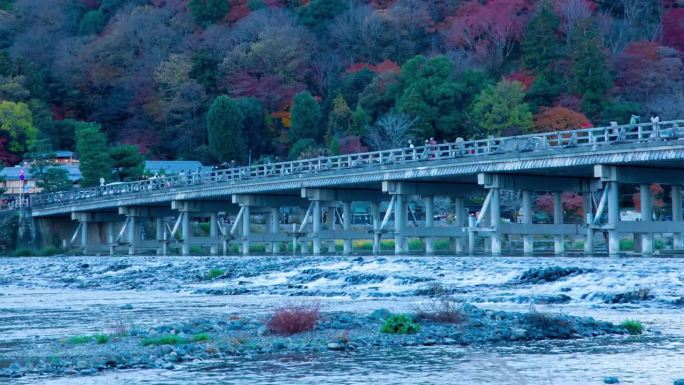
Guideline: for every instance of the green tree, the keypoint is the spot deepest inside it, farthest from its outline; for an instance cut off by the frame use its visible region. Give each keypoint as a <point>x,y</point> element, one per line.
<point>6,5</point>
<point>302,148</point>
<point>543,92</point>
<point>306,118</point>
<point>48,176</point>
<point>93,22</point>
<point>589,75</point>
<point>359,121</point>
<point>207,12</point>
<point>317,12</point>
<point>436,97</point>
<point>224,129</point>
<point>541,45</point>
<point>93,154</point>
<point>127,162</point>
<point>257,140</point>
<point>16,124</point>
<point>501,110</point>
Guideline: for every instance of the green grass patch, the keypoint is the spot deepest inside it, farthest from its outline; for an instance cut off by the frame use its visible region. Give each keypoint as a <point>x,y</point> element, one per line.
<point>626,244</point>
<point>78,340</point>
<point>24,252</point>
<point>214,273</point>
<point>101,339</point>
<point>171,339</point>
<point>201,337</point>
<point>399,324</point>
<point>632,326</point>
<point>49,251</point>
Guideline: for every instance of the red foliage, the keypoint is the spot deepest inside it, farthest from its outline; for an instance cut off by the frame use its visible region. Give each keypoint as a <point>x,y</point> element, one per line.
<point>559,119</point>
<point>384,67</point>
<point>6,157</point>
<point>489,28</point>
<point>657,200</point>
<point>572,204</point>
<point>673,28</point>
<point>524,77</point>
<point>238,10</point>
<point>273,92</point>
<point>295,319</point>
<point>351,145</point>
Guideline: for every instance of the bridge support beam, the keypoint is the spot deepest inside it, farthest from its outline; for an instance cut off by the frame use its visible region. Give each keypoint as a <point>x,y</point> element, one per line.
<point>346,226</point>
<point>459,223</point>
<point>528,239</point>
<point>587,207</point>
<point>274,228</point>
<point>613,219</point>
<point>428,201</point>
<point>375,216</point>
<point>646,217</point>
<point>558,241</point>
<point>316,224</point>
<point>400,209</point>
<point>92,230</point>
<point>495,220</point>
<point>676,193</point>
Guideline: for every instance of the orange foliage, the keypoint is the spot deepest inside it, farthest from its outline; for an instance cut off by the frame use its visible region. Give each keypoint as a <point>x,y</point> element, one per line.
<point>284,116</point>
<point>559,119</point>
<point>657,200</point>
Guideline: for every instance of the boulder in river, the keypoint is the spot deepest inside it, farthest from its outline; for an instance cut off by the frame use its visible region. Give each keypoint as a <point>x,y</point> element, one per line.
<point>631,296</point>
<point>549,274</point>
<point>611,380</point>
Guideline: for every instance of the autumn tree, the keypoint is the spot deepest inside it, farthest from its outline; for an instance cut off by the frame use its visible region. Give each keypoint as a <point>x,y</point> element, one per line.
<point>315,12</point>
<point>224,128</point>
<point>93,154</point>
<point>207,12</point>
<point>306,118</point>
<point>257,139</point>
<point>559,119</point>
<point>500,110</point>
<point>339,119</point>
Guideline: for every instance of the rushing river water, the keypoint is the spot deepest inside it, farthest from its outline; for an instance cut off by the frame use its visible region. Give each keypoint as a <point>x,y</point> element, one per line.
<point>42,299</point>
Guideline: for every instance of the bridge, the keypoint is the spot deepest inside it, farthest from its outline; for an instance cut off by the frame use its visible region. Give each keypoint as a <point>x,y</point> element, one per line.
<point>241,209</point>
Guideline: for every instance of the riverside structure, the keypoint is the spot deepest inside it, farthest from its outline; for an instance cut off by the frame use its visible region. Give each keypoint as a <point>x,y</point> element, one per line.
<point>593,162</point>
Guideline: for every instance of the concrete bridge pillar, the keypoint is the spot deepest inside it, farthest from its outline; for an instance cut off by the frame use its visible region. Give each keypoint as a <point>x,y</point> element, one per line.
<point>677,243</point>
<point>375,215</point>
<point>613,219</point>
<point>213,232</point>
<point>558,241</point>
<point>400,208</point>
<point>588,209</point>
<point>459,222</point>
<point>246,229</point>
<point>275,228</point>
<point>428,201</point>
<point>159,235</point>
<point>330,223</point>
<point>316,219</point>
<point>495,221</point>
<point>646,217</point>
<point>528,239</point>
<point>346,226</point>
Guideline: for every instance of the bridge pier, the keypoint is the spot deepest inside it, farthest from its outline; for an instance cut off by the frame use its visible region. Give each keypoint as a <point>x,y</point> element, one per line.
<point>646,216</point>
<point>676,193</point>
<point>558,240</point>
<point>428,201</point>
<point>528,239</point>
<point>460,224</point>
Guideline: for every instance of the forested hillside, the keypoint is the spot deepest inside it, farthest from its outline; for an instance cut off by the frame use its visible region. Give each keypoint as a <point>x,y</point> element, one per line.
<point>222,80</point>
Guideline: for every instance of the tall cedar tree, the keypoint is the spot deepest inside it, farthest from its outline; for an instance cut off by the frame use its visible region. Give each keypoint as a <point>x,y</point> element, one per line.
<point>306,118</point>
<point>93,153</point>
<point>224,129</point>
<point>500,110</point>
<point>541,45</point>
<point>127,162</point>
<point>589,75</point>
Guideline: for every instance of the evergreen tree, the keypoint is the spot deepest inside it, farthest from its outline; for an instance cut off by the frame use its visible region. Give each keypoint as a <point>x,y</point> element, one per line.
<point>500,110</point>
<point>224,129</point>
<point>93,154</point>
<point>589,75</point>
<point>93,22</point>
<point>316,12</point>
<point>127,162</point>
<point>48,177</point>
<point>207,12</point>
<point>340,117</point>
<point>359,122</point>
<point>541,45</point>
<point>306,118</point>
<point>257,140</point>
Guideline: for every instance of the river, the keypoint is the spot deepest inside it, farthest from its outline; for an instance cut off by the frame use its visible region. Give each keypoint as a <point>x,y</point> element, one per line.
<point>42,299</point>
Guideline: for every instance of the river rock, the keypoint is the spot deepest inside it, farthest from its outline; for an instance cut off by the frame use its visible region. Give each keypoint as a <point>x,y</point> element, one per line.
<point>549,274</point>
<point>611,380</point>
<point>631,296</point>
<point>679,381</point>
<point>335,346</point>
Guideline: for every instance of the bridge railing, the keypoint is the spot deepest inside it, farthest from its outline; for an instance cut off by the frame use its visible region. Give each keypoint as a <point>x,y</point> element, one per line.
<point>597,136</point>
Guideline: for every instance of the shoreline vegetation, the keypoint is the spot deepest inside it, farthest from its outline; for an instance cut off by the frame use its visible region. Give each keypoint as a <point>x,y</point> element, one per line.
<point>303,328</point>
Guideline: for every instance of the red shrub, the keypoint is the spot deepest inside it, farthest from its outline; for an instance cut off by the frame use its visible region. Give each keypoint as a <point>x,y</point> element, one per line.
<point>294,319</point>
